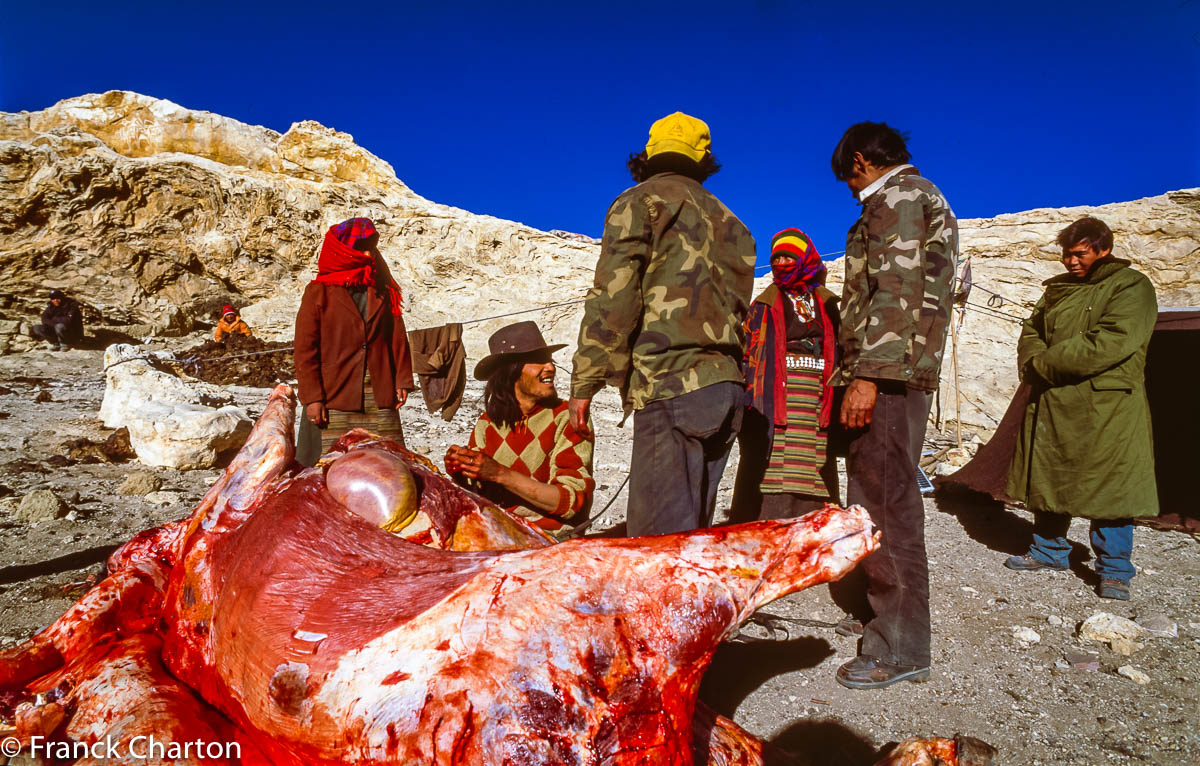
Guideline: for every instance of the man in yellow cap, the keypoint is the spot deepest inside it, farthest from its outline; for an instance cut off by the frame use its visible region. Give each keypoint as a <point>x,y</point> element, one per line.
<point>663,323</point>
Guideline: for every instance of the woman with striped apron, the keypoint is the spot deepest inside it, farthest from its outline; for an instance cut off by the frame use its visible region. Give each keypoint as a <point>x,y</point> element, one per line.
<point>786,468</point>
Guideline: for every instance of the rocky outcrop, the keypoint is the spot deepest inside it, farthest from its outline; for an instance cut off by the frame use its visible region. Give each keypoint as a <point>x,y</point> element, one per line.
<point>171,423</point>
<point>154,215</point>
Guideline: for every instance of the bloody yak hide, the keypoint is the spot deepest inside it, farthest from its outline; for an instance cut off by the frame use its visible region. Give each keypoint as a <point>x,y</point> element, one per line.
<point>280,621</point>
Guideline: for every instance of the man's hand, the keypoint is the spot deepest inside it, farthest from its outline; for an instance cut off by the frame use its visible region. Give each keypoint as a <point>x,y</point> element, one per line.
<point>1030,375</point>
<point>317,414</point>
<point>859,403</point>
<point>578,409</point>
<point>473,464</point>
<point>451,460</point>
<point>401,397</point>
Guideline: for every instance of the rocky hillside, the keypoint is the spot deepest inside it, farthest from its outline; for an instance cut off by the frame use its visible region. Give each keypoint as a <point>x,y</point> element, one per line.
<point>155,215</point>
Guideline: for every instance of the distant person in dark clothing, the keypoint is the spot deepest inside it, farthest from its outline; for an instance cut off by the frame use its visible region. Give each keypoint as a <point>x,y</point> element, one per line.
<point>62,322</point>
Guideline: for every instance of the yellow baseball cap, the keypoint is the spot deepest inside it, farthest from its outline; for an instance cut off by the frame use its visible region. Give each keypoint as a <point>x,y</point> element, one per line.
<point>679,133</point>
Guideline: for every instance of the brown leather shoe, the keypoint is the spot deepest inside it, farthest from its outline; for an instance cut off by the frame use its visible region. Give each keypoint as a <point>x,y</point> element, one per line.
<point>1110,588</point>
<point>1030,564</point>
<point>866,672</point>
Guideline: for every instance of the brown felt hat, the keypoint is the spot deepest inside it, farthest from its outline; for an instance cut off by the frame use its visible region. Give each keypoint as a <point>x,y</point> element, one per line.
<point>522,341</point>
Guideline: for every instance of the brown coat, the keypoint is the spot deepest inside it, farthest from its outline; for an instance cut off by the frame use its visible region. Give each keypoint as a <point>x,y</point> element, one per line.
<point>441,365</point>
<point>333,343</point>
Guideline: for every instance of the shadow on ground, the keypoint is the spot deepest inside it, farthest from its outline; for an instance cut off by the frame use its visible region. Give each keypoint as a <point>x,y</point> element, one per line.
<point>823,742</point>
<point>738,669</point>
<point>67,562</point>
<point>989,523</point>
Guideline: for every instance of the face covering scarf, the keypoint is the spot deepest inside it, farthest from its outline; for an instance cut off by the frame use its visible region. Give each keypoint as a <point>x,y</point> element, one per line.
<point>767,331</point>
<point>341,264</point>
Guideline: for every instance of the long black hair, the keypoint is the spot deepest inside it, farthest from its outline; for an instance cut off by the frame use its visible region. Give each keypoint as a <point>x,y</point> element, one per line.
<point>642,167</point>
<point>500,392</point>
<point>500,395</point>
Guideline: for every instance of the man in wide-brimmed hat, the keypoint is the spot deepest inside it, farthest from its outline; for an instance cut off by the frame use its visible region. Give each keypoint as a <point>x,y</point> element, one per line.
<point>524,455</point>
<point>663,323</point>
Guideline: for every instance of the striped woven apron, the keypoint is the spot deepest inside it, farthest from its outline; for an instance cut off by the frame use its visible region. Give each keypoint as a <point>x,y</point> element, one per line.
<point>385,423</point>
<point>798,449</point>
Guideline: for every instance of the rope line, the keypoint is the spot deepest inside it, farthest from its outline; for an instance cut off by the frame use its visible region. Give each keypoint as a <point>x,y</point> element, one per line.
<point>997,297</point>
<point>980,410</point>
<point>526,311</point>
<point>826,256</point>
<point>993,312</point>
<point>582,527</point>
<point>196,360</point>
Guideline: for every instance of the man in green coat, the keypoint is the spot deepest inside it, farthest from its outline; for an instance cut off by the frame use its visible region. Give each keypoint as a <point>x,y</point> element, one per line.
<point>1085,447</point>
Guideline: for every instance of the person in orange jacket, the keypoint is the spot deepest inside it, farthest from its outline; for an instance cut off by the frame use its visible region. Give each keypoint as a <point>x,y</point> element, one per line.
<point>230,324</point>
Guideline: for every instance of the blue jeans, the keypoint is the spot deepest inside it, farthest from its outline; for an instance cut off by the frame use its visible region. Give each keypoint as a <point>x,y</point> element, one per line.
<point>1112,542</point>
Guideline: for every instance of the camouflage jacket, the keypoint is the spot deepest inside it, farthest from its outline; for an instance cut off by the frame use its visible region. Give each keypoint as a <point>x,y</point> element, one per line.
<point>900,263</point>
<point>672,288</point>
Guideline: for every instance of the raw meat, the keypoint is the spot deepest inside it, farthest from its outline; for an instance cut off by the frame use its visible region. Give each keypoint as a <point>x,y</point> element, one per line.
<point>324,639</point>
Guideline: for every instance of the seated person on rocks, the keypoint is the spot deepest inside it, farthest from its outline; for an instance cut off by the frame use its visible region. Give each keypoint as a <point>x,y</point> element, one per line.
<point>231,323</point>
<point>62,322</point>
<point>524,455</point>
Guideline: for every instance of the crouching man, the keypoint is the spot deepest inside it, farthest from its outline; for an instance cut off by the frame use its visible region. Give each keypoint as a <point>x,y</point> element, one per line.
<point>524,455</point>
<point>62,322</point>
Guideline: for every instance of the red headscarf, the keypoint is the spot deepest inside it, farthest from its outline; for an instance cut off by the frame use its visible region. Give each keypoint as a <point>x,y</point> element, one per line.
<point>341,264</point>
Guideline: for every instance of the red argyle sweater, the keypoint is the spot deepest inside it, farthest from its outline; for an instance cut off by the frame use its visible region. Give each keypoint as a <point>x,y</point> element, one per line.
<point>545,448</point>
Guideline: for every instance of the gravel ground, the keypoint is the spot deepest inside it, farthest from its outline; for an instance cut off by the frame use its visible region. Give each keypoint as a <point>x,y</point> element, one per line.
<point>1056,700</point>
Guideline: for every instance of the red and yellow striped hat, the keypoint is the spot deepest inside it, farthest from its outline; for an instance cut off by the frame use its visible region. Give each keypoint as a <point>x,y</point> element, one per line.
<point>795,242</point>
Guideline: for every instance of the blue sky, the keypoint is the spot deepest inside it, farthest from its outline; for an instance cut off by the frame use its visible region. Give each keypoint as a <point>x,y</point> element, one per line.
<point>527,111</point>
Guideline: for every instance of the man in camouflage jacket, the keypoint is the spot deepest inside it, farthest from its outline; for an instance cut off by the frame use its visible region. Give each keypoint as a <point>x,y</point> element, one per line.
<point>896,302</point>
<point>663,324</point>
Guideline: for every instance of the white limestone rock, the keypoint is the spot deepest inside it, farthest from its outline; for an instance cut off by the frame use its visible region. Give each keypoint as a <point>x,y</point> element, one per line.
<point>1025,636</point>
<point>1133,674</point>
<point>1103,626</point>
<point>172,423</point>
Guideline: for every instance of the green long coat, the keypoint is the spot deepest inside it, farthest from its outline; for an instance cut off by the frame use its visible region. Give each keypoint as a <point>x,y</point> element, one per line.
<point>1085,447</point>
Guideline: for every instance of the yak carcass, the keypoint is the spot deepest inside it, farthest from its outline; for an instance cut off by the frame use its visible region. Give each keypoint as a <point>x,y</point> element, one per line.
<point>323,639</point>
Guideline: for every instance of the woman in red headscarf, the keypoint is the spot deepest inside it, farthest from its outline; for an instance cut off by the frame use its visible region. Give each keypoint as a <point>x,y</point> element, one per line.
<point>352,360</point>
<point>786,468</point>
